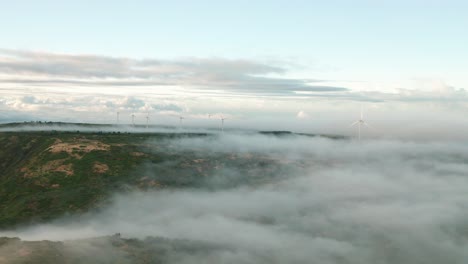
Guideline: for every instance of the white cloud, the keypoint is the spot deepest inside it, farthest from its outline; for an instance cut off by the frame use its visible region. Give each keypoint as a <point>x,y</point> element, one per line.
<point>83,88</point>
<point>302,115</point>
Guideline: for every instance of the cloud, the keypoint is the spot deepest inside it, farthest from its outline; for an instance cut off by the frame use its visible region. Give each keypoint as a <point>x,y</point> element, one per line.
<point>131,102</point>
<point>229,76</point>
<point>302,115</point>
<point>170,107</point>
<point>88,88</point>
<point>345,202</point>
<point>245,76</point>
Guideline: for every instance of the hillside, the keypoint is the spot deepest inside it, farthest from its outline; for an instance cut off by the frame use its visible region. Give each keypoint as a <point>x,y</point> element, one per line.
<point>48,174</point>
<point>266,197</point>
<point>109,249</point>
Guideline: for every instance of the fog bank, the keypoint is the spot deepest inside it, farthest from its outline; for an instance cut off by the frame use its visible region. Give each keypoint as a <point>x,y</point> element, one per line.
<point>350,202</point>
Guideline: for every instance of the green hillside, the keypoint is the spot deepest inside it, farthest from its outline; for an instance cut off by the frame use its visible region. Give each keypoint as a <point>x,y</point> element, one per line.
<point>45,175</point>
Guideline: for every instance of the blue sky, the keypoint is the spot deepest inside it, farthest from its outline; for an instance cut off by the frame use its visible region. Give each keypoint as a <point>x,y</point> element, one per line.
<point>411,37</point>
<point>405,51</point>
<point>333,31</point>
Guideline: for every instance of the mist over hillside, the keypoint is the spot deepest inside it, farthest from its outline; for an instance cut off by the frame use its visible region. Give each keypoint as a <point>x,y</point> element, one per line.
<point>254,198</point>
<point>234,132</point>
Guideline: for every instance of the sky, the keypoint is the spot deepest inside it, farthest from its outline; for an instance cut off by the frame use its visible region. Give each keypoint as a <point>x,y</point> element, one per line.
<point>308,65</point>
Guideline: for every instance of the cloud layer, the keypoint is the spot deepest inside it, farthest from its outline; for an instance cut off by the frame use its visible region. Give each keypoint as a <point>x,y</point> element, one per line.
<point>244,76</point>
<point>253,94</point>
<point>349,202</point>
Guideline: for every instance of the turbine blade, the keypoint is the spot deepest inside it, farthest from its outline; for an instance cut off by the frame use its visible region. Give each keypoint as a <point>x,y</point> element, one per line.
<point>354,123</point>
<point>369,126</point>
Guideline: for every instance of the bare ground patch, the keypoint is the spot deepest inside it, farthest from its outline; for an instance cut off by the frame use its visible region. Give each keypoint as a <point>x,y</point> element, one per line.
<point>51,166</point>
<point>58,166</point>
<point>67,169</point>
<point>100,167</point>
<point>78,147</point>
<point>137,154</point>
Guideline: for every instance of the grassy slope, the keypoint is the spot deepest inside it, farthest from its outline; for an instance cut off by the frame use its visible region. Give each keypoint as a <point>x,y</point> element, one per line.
<point>34,187</point>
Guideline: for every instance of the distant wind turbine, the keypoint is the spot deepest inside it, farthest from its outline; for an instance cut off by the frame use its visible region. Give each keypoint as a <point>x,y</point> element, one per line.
<point>181,118</point>
<point>147,120</point>
<point>222,123</point>
<point>360,122</point>
<point>118,115</point>
<point>133,119</point>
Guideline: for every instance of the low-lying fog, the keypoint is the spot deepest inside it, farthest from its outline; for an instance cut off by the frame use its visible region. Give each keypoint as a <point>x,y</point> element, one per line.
<point>351,202</point>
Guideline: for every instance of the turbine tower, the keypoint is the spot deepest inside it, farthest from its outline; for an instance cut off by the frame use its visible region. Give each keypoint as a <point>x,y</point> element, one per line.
<point>147,120</point>
<point>118,115</point>
<point>360,122</point>
<point>222,123</point>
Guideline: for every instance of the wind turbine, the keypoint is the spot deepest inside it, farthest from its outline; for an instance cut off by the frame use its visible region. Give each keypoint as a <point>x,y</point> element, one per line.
<point>222,123</point>
<point>360,122</point>
<point>180,120</point>
<point>147,120</point>
<point>133,119</point>
<point>118,114</point>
